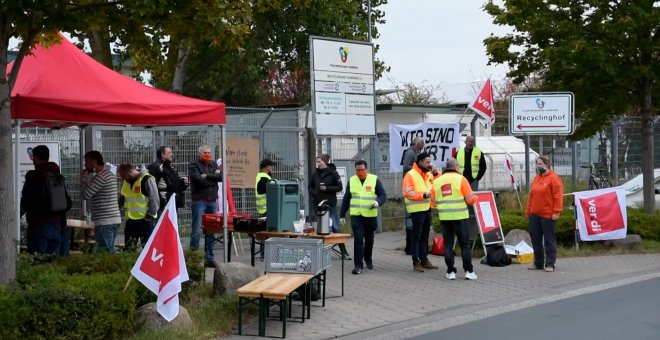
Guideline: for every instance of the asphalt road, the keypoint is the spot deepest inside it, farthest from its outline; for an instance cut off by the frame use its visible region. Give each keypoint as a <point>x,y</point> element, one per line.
<point>630,312</point>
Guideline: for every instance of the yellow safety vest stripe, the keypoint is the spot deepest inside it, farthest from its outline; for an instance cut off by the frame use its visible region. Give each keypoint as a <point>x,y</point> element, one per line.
<point>363,196</point>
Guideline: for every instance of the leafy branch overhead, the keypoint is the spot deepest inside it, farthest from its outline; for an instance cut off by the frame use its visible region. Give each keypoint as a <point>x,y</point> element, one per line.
<point>606,53</point>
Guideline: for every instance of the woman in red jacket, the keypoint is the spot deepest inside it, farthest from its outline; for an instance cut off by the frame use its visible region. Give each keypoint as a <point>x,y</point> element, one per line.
<point>544,205</point>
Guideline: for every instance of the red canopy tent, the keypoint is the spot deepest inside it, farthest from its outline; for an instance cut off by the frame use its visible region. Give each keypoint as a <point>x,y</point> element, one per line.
<point>62,86</point>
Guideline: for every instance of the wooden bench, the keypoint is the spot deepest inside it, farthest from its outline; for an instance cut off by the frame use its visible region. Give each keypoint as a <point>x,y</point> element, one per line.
<point>87,230</point>
<point>273,289</point>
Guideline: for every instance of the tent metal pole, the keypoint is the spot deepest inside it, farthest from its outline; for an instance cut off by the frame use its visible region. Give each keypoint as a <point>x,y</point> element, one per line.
<point>17,179</point>
<point>225,208</point>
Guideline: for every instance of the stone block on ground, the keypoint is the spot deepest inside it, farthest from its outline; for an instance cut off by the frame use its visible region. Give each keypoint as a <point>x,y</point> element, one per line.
<point>514,237</point>
<point>629,242</point>
<point>149,318</point>
<point>228,277</point>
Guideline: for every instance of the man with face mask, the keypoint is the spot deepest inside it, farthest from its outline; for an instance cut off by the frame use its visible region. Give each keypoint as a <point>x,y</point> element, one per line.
<point>167,178</point>
<point>417,188</point>
<point>364,194</point>
<point>204,177</point>
<point>544,205</point>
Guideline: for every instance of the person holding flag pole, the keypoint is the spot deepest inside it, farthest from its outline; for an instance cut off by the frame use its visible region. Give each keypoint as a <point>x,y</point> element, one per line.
<point>161,266</point>
<point>508,169</point>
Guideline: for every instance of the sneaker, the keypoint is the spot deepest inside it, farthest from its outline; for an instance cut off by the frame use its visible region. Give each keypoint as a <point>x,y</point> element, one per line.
<point>534,267</point>
<point>429,265</point>
<point>549,269</point>
<point>370,265</point>
<point>450,276</point>
<point>210,264</point>
<point>418,267</point>
<point>470,276</point>
<point>357,270</point>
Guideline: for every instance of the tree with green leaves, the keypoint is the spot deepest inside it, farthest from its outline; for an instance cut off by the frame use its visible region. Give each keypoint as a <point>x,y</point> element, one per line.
<point>416,94</point>
<point>606,52</point>
<point>31,22</point>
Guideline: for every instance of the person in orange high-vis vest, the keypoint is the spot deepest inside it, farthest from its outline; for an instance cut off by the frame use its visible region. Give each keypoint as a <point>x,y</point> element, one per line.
<point>417,186</point>
<point>544,205</point>
<point>451,195</point>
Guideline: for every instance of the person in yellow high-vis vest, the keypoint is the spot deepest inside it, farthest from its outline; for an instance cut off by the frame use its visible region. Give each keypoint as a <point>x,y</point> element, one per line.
<point>364,195</point>
<point>140,199</point>
<point>263,176</point>
<point>471,163</point>
<point>417,185</point>
<point>451,196</point>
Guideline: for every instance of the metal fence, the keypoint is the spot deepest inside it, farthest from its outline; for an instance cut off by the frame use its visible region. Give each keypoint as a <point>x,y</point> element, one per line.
<point>282,134</point>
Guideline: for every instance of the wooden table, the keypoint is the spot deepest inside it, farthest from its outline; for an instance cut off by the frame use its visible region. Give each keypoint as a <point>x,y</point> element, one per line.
<point>74,225</point>
<point>335,239</point>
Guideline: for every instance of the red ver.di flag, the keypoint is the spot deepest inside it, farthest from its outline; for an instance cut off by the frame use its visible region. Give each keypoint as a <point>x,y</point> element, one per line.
<point>161,266</point>
<point>483,104</point>
<point>601,214</point>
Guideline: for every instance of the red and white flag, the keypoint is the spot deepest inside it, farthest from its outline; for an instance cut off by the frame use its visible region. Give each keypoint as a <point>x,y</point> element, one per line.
<point>483,104</point>
<point>601,214</point>
<point>508,169</point>
<point>161,266</point>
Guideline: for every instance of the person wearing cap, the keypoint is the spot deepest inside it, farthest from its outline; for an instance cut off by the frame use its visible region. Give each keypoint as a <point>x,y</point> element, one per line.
<point>263,176</point>
<point>409,158</point>
<point>451,195</point>
<point>204,176</point>
<point>417,188</point>
<point>324,186</point>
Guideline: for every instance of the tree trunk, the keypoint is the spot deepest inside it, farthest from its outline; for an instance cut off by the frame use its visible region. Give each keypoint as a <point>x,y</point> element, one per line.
<point>180,68</point>
<point>647,145</point>
<point>8,237</point>
<point>99,41</point>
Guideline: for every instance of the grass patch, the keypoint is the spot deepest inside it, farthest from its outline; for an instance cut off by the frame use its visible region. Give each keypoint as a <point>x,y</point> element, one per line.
<point>213,317</point>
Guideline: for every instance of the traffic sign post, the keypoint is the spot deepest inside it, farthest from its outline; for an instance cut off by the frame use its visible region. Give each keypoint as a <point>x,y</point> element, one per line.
<point>546,113</point>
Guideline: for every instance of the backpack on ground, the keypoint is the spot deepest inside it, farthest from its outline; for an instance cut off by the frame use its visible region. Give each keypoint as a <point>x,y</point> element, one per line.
<point>497,256</point>
<point>54,193</point>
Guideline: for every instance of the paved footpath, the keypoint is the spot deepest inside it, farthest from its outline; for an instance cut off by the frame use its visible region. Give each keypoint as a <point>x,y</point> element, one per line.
<point>394,302</point>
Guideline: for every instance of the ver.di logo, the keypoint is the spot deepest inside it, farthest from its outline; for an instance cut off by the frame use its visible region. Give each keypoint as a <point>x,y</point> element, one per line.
<point>540,103</point>
<point>343,54</point>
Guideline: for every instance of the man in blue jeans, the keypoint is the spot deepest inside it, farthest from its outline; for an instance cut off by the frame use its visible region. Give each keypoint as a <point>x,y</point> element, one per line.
<point>204,176</point>
<point>364,194</point>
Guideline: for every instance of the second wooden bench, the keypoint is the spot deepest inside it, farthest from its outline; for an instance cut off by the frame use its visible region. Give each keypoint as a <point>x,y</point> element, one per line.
<point>273,288</point>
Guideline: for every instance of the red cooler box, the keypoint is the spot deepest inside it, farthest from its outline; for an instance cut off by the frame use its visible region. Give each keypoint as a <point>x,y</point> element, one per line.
<point>214,222</point>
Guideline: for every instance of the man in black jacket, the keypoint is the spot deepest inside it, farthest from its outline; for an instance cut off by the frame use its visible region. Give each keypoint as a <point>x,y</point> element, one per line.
<point>167,178</point>
<point>324,185</point>
<point>45,231</point>
<point>204,177</point>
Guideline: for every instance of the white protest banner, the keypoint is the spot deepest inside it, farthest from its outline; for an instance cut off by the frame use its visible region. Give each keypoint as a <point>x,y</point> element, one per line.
<point>601,214</point>
<point>440,140</point>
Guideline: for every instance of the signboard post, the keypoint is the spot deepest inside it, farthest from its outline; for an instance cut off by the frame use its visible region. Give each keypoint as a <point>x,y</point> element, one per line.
<point>342,80</point>
<point>488,219</point>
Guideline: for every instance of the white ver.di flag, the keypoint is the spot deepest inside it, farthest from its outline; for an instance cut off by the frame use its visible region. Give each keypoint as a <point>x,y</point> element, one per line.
<point>601,214</point>
<point>161,266</point>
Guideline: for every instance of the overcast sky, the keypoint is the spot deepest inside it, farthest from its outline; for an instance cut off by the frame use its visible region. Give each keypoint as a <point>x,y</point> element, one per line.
<point>438,41</point>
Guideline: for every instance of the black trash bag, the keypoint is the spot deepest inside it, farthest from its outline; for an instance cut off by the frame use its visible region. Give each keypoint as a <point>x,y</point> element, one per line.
<point>497,256</point>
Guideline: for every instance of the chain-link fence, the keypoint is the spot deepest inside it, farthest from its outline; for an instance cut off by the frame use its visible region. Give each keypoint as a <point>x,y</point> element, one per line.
<point>282,135</point>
